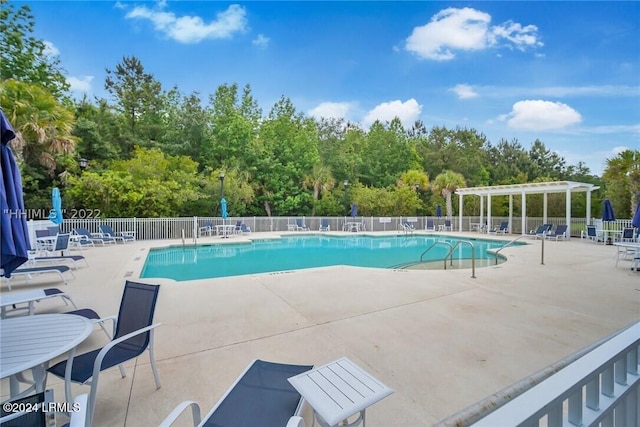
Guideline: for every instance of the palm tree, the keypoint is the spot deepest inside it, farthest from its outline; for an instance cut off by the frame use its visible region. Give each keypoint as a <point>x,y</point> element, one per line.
<point>446,183</point>
<point>319,179</point>
<point>622,179</point>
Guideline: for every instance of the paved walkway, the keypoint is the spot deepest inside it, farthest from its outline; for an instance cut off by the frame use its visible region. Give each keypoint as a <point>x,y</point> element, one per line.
<point>440,339</point>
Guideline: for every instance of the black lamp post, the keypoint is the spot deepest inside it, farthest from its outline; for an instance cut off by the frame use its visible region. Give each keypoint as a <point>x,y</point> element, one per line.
<point>83,164</point>
<point>417,185</point>
<point>221,185</point>
<point>346,184</point>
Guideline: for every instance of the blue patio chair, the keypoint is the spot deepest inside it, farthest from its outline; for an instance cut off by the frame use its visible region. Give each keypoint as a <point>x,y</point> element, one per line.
<point>261,396</point>
<point>300,225</point>
<point>504,227</point>
<point>592,234</point>
<point>123,236</point>
<point>324,224</point>
<point>447,225</point>
<point>53,230</point>
<point>133,335</point>
<point>87,238</point>
<point>430,226</point>
<point>540,232</point>
<point>206,229</point>
<point>559,233</point>
<point>61,245</point>
<point>244,229</point>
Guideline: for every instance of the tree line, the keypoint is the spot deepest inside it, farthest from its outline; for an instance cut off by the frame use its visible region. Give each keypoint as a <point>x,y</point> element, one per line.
<point>154,151</point>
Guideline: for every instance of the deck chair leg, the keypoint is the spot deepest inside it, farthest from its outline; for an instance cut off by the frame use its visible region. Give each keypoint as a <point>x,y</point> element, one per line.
<point>122,371</point>
<point>156,377</point>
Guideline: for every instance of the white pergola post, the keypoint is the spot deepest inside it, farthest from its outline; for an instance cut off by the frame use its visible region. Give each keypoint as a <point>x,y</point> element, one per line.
<point>567,206</point>
<point>544,208</point>
<point>510,213</point>
<point>524,213</point>
<point>488,212</point>
<point>588,207</point>
<point>481,211</point>
<point>460,212</point>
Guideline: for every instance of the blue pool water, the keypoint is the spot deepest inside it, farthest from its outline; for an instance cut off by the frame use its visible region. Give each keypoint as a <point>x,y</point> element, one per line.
<point>298,252</point>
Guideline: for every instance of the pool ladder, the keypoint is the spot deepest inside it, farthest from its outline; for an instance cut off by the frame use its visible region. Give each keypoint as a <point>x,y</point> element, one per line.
<point>450,254</point>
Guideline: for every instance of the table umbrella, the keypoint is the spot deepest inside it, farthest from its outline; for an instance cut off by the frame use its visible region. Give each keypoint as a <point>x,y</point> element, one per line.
<point>354,210</point>
<point>607,211</point>
<point>14,233</point>
<point>636,217</point>
<point>223,206</point>
<point>55,215</point>
<point>438,211</point>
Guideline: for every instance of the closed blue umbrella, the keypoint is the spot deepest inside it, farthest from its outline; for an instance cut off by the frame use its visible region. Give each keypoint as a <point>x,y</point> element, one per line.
<point>14,233</point>
<point>223,206</point>
<point>607,211</point>
<point>55,215</point>
<point>354,210</point>
<point>636,217</point>
<point>438,211</point>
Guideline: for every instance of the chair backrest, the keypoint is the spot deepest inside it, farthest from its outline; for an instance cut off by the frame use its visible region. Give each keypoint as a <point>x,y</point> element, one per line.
<point>429,223</point>
<point>299,222</point>
<point>29,418</point>
<point>591,231</point>
<point>504,225</point>
<point>42,233</point>
<point>62,242</point>
<point>243,227</point>
<point>137,307</point>
<point>106,229</point>
<point>324,222</point>
<point>627,233</point>
<point>561,229</point>
<point>82,232</point>
<point>53,230</point>
<point>447,223</point>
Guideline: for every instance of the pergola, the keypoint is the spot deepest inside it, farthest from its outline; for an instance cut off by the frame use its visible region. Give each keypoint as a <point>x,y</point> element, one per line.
<point>543,188</point>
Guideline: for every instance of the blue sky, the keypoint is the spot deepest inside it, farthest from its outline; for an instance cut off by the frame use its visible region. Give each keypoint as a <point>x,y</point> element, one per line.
<point>567,73</point>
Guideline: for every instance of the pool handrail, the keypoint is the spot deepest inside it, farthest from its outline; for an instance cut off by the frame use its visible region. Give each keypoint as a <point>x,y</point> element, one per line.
<point>495,252</point>
<point>473,256</point>
<point>432,246</point>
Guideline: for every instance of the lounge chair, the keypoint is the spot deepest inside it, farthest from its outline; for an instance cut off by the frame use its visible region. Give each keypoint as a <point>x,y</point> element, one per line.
<point>244,229</point>
<point>61,244</point>
<point>430,226</point>
<point>85,236</point>
<point>407,227</point>
<point>324,224</point>
<point>10,301</point>
<point>300,225</point>
<point>447,225</point>
<point>123,236</point>
<point>592,234</point>
<point>206,229</point>
<point>27,272</point>
<point>504,227</point>
<point>540,232</point>
<point>132,336</point>
<point>261,396</point>
<point>559,233</point>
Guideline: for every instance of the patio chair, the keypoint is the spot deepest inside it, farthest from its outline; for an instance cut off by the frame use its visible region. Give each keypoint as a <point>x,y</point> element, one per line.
<point>540,232</point>
<point>324,225</point>
<point>61,244</point>
<point>504,227</point>
<point>123,236</point>
<point>133,335</point>
<point>559,233</point>
<point>261,396</point>
<point>407,227</point>
<point>31,271</point>
<point>430,226</point>
<point>300,225</point>
<point>206,229</point>
<point>447,225</point>
<point>86,236</point>
<point>53,230</point>
<point>592,234</point>
<point>628,235</point>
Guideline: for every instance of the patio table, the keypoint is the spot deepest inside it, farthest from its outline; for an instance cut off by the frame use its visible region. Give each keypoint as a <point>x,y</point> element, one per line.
<point>225,230</point>
<point>624,246</point>
<point>31,342</point>
<point>339,390</point>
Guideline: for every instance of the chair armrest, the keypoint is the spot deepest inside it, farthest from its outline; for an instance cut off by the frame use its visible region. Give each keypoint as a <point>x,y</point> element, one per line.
<point>128,233</point>
<point>114,319</point>
<point>178,410</point>
<point>295,422</point>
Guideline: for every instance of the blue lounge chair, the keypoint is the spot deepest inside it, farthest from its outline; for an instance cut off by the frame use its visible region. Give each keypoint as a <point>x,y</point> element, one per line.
<point>447,225</point>
<point>132,336</point>
<point>540,232</point>
<point>430,226</point>
<point>206,229</point>
<point>123,236</point>
<point>244,229</point>
<point>32,271</point>
<point>261,396</point>
<point>559,233</point>
<point>407,227</point>
<point>324,224</point>
<point>504,227</point>
<point>300,225</point>
<point>592,234</point>
<point>87,238</point>
<point>61,245</point>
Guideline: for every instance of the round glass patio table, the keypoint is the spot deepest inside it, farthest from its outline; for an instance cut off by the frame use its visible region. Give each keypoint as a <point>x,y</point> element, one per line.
<point>31,342</point>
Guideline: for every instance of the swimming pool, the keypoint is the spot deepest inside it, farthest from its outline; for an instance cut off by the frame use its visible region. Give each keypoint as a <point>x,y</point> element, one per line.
<point>298,252</point>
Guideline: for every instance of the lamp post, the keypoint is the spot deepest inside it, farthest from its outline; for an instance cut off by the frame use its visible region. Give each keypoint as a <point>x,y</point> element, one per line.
<point>417,185</point>
<point>221,185</point>
<point>346,184</point>
<point>83,164</point>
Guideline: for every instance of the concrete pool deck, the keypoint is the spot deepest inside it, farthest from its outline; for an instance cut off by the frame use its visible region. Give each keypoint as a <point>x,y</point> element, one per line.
<point>441,339</point>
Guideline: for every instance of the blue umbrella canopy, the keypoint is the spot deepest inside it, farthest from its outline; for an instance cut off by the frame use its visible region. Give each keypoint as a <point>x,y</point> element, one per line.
<point>223,206</point>
<point>354,210</point>
<point>607,211</point>
<point>55,215</point>
<point>14,233</point>
<point>636,217</point>
<point>439,211</point>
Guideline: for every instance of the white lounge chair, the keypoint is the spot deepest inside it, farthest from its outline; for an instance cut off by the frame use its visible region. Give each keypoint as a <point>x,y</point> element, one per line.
<point>10,301</point>
<point>28,272</point>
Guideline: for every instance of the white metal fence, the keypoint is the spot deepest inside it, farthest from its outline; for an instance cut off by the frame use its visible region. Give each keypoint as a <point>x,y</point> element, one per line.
<point>187,227</point>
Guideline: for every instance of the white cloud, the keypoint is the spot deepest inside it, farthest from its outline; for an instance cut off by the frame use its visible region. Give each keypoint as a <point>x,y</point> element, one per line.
<point>464,91</point>
<point>541,115</point>
<point>80,84</point>
<point>261,41</point>
<point>50,49</point>
<point>467,29</point>
<point>336,110</point>
<point>407,112</point>
<point>193,29</point>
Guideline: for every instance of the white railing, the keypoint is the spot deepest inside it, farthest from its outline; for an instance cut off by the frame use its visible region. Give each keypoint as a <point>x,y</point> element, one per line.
<point>598,388</point>
<point>172,228</point>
